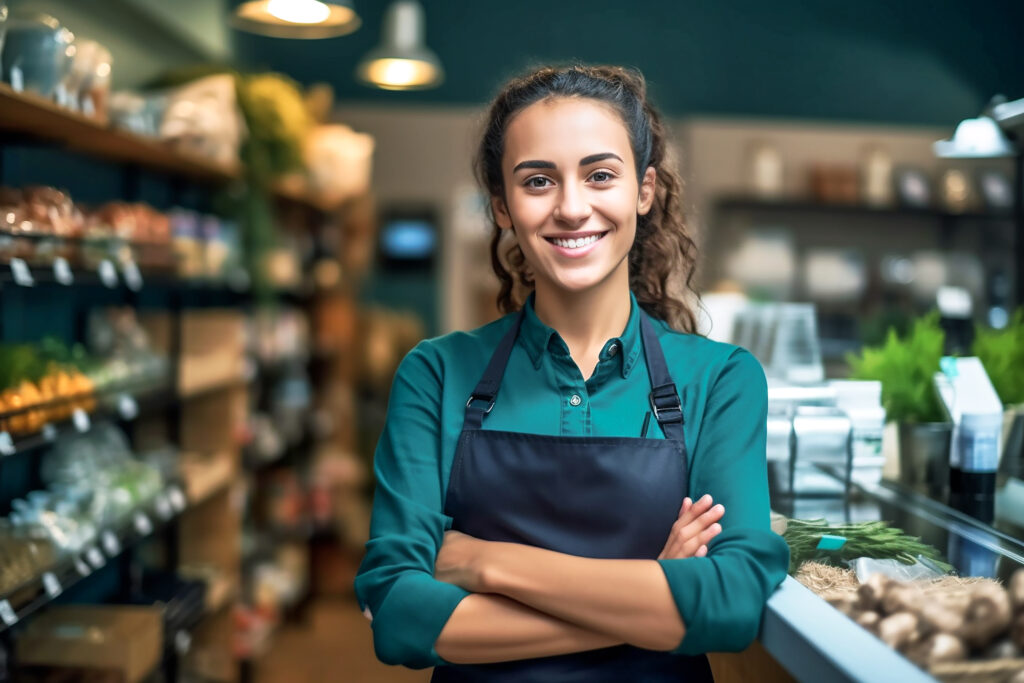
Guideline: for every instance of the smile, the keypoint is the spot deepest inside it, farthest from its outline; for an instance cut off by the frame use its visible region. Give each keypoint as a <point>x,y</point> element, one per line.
<point>577,243</point>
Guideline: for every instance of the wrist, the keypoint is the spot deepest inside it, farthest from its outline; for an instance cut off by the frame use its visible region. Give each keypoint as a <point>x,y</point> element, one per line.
<point>493,567</point>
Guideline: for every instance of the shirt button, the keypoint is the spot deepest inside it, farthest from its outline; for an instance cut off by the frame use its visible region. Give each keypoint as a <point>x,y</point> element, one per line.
<point>575,400</point>
<point>613,349</point>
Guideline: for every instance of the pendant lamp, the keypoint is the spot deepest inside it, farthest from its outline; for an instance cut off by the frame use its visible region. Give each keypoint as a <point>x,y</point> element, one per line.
<point>402,61</point>
<point>296,18</point>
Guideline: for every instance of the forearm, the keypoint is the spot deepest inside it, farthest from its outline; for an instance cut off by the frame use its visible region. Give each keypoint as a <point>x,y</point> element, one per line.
<point>628,599</point>
<point>492,628</point>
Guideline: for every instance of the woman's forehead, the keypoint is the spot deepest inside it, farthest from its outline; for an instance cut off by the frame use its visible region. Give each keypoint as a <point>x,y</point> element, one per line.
<point>562,128</point>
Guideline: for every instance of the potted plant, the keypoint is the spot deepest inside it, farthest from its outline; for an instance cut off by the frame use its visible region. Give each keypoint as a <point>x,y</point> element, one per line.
<point>1002,354</point>
<point>905,366</point>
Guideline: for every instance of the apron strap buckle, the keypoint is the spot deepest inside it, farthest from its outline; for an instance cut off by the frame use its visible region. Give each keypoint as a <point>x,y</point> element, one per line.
<point>665,404</point>
<point>476,397</point>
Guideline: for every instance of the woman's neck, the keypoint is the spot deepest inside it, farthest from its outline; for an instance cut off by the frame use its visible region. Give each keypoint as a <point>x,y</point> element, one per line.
<point>585,320</point>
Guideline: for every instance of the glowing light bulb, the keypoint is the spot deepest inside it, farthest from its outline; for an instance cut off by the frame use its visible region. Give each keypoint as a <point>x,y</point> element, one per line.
<point>299,11</point>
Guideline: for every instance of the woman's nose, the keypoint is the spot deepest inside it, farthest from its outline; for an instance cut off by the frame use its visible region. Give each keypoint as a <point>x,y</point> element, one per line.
<point>573,207</point>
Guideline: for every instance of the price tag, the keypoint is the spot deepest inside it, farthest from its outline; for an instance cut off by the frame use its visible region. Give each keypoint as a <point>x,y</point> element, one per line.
<point>132,276</point>
<point>81,420</point>
<point>163,507</point>
<point>95,557</point>
<point>110,543</point>
<point>51,585</point>
<point>127,407</point>
<point>108,274</point>
<point>81,567</point>
<point>62,271</point>
<point>7,614</point>
<point>6,444</point>
<point>177,499</point>
<point>22,274</point>
<point>49,432</point>
<point>142,524</point>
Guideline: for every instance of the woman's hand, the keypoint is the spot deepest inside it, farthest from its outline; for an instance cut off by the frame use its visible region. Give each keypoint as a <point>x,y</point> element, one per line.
<point>460,561</point>
<point>691,533</point>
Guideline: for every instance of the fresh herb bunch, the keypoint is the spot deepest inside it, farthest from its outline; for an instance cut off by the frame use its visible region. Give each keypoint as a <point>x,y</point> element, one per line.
<point>905,367</point>
<point>877,540</point>
<point>1002,354</point>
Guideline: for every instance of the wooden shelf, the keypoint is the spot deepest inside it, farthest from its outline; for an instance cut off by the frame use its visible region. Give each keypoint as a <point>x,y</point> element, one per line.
<point>37,117</point>
<point>802,205</point>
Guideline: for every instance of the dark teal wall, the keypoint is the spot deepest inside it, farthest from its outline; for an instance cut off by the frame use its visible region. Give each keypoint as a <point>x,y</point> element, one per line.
<point>911,61</point>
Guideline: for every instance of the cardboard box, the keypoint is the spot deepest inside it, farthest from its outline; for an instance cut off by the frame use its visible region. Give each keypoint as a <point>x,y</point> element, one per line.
<point>124,639</point>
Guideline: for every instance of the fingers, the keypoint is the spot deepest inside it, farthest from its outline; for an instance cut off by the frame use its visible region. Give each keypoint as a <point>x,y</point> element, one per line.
<point>693,529</point>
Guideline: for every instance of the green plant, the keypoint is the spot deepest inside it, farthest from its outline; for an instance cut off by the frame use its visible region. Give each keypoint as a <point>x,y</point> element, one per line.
<point>863,539</point>
<point>1002,354</point>
<point>905,367</point>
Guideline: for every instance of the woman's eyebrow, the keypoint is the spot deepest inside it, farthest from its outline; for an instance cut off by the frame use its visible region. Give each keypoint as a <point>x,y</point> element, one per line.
<point>585,161</point>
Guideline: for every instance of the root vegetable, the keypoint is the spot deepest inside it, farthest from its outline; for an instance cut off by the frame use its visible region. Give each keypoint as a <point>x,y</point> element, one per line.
<point>937,619</point>
<point>1017,631</point>
<point>847,604</point>
<point>988,615</point>
<point>898,630</point>
<point>939,647</point>
<point>869,621</point>
<point>872,591</point>
<point>1016,589</point>
<point>901,598</point>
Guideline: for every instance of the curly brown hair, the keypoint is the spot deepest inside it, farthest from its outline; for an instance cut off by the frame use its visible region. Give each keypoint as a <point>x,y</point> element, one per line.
<point>663,258</point>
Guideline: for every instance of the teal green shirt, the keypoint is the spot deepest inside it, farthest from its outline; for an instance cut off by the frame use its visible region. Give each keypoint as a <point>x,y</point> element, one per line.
<point>720,597</point>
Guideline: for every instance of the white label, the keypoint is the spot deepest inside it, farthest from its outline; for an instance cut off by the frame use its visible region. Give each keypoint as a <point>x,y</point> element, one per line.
<point>95,557</point>
<point>17,79</point>
<point>81,420</point>
<point>7,614</point>
<point>163,507</point>
<point>62,271</point>
<point>142,524</point>
<point>177,499</point>
<point>108,274</point>
<point>132,276</point>
<point>182,642</point>
<point>49,432</point>
<point>22,274</point>
<point>6,444</point>
<point>110,543</point>
<point>51,585</point>
<point>127,407</point>
<point>81,567</point>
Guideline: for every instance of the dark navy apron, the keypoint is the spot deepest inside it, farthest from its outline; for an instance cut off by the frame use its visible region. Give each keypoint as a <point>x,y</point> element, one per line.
<point>599,497</point>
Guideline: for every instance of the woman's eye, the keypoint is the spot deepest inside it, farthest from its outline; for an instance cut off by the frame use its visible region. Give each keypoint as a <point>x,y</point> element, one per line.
<point>601,176</point>
<point>537,182</point>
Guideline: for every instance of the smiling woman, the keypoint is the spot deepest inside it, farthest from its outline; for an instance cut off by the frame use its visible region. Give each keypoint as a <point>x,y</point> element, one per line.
<point>562,542</point>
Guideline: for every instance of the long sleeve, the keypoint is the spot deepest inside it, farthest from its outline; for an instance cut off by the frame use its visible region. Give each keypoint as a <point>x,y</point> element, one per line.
<point>721,596</point>
<point>396,583</point>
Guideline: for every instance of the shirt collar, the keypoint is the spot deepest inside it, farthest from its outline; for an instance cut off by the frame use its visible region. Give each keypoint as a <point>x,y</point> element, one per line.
<point>537,338</point>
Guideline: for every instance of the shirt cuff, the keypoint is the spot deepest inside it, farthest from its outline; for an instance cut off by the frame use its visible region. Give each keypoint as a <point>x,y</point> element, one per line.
<point>407,623</point>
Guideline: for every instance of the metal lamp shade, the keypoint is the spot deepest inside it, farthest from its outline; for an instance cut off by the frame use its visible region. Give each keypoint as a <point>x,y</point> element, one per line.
<point>402,61</point>
<point>259,16</point>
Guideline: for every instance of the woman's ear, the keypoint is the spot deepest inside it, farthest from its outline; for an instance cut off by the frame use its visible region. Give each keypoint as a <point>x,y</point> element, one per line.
<point>647,187</point>
<point>500,211</point>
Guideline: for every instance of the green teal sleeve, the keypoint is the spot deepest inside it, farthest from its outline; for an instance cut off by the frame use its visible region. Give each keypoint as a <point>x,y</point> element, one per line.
<point>721,596</point>
<point>407,606</point>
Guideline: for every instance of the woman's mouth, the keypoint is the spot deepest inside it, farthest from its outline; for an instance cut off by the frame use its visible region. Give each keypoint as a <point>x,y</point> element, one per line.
<point>576,246</point>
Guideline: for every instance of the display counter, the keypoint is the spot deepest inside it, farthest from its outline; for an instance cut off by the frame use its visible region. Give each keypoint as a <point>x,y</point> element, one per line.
<point>805,638</point>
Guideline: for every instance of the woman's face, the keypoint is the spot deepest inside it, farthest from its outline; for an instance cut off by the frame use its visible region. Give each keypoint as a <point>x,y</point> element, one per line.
<point>571,192</point>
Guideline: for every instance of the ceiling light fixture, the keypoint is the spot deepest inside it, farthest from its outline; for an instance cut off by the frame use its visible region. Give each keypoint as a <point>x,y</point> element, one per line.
<point>296,18</point>
<point>402,61</point>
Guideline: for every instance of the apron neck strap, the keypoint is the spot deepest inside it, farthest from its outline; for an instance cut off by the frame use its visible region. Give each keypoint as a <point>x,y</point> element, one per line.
<point>482,399</point>
<point>664,397</point>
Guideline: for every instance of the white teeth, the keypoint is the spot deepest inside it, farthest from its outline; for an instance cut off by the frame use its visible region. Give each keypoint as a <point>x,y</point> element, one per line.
<point>577,243</point>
